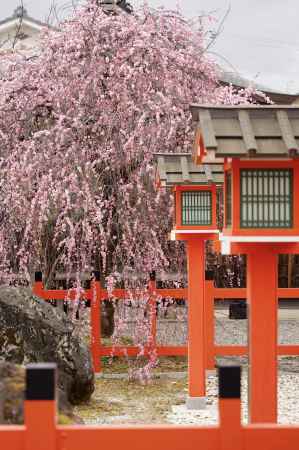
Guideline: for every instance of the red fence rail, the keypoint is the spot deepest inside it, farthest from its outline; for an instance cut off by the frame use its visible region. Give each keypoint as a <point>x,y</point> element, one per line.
<point>212,350</point>
<point>40,430</point>
<point>96,294</point>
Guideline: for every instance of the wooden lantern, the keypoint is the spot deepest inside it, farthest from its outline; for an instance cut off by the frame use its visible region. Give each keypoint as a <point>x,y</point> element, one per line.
<point>259,150</point>
<point>194,189</point>
<point>195,207</point>
<point>195,193</point>
<point>258,146</point>
<point>260,198</point>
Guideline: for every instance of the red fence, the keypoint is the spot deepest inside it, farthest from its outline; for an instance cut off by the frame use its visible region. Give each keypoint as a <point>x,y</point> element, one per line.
<point>96,294</point>
<point>41,431</point>
<point>212,350</point>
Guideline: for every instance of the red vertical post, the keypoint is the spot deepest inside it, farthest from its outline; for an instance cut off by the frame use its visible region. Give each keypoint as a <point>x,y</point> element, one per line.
<point>262,301</point>
<point>95,320</point>
<point>40,407</point>
<point>152,308</point>
<point>38,285</point>
<point>196,343</point>
<point>209,321</point>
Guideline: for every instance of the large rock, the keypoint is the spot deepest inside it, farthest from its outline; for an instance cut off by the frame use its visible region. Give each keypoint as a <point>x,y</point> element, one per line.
<point>12,388</point>
<point>33,331</point>
<point>12,380</point>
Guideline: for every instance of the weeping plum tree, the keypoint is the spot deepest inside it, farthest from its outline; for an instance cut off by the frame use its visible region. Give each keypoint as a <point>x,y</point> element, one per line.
<point>78,128</point>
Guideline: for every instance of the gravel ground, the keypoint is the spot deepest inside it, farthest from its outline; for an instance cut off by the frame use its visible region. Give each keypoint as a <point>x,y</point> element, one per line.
<point>164,401</point>
<point>234,332</point>
<point>116,401</point>
<point>170,331</point>
<point>288,402</point>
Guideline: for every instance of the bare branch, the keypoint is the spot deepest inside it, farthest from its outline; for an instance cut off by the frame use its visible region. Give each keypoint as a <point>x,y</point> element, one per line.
<point>219,30</point>
<point>19,26</point>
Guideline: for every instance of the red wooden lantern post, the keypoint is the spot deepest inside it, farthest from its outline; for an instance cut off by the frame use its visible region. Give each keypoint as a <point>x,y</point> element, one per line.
<point>261,179</point>
<point>195,222</point>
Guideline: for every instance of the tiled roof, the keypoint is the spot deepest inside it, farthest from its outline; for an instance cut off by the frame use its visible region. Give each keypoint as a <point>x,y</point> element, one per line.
<point>178,169</point>
<point>248,131</point>
<point>113,5</point>
<point>21,13</point>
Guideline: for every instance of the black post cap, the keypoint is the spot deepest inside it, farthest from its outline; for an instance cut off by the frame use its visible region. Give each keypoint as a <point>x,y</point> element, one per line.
<point>152,275</point>
<point>40,381</point>
<point>209,275</point>
<point>38,276</point>
<point>229,381</point>
<point>96,274</point>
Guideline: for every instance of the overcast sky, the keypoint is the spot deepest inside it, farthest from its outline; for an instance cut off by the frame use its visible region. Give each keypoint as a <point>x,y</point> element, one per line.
<point>259,39</point>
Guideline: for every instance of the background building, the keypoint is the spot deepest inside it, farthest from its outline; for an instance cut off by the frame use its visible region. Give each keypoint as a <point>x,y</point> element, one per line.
<point>20,33</point>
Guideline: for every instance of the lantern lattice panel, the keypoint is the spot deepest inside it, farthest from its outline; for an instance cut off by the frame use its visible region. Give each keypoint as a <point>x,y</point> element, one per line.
<point>266,198</point>
<point>196,208</point>
<point>228,198</point>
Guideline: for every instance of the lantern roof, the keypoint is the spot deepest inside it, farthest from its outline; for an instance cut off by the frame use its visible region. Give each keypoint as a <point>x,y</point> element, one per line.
<point>256,131</point>
<point>175,169</point>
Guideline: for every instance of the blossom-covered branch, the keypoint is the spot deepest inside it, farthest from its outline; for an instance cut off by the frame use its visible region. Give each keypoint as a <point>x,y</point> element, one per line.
<point>78,128</point>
